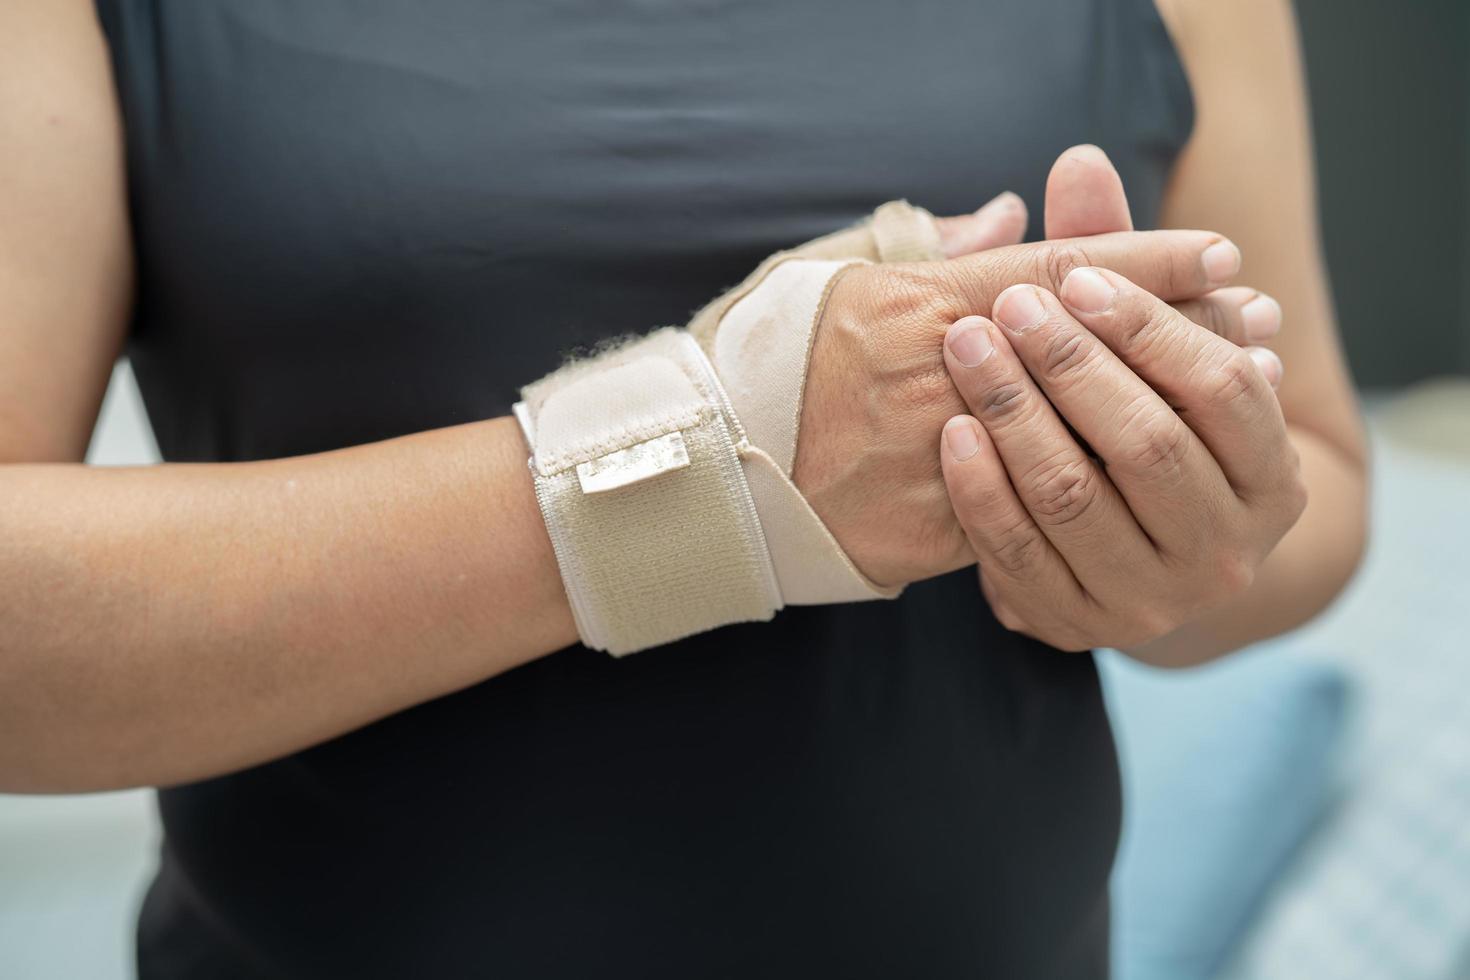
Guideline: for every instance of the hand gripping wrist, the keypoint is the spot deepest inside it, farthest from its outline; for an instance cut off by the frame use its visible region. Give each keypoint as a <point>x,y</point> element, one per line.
<point>663,466</point>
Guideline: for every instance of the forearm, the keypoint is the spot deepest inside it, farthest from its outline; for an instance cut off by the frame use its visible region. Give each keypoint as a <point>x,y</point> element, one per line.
<point>1302,575</point>
<point>168,623</point>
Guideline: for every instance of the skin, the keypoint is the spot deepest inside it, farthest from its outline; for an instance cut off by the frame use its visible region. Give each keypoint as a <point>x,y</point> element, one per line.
<point>168,623</point>
<point>1168,516</point>
<point>878,393</point>
<point>1197,542</point>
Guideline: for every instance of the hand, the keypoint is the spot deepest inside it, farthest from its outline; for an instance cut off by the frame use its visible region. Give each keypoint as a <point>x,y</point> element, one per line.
<point>878,394</point>
<point>1084,196</point>
<point>1193,483</point>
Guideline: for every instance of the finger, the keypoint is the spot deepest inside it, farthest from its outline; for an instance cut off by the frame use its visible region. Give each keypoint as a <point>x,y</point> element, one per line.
<point>1222,391</point>
<point>1160,467</point>
<point>1084,195</point>
<point>1240,314</point>
<point>1060,485</point>
<point>1001,221</point>
<point>1006,540</point>
<point>1173,265</point>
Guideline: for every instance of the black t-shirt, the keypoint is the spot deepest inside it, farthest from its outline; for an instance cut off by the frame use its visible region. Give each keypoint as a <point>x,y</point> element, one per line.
<point>361,219</point>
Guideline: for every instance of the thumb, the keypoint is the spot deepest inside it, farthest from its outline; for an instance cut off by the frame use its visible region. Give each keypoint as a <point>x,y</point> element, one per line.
<point>1084,195</point>
<point>1001,221</point>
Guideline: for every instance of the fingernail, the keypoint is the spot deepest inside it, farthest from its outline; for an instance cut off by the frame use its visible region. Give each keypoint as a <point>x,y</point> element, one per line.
<point>1019,307</point>
<point>1269,364</point>
<point>1221,261</point>
<point>1261,318</point>
<point>969,341</point>
<point>960,437</point>
<point>1087,291</point>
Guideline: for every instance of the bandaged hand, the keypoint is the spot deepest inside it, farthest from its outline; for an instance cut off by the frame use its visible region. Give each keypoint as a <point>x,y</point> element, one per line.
<point>665,467</point>
<point>662,466</point>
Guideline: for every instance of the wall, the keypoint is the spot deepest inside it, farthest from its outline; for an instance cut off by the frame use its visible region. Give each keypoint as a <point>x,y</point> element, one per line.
<point>1390,85</point>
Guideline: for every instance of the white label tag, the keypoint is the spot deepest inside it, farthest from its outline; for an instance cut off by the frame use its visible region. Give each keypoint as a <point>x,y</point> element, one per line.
<point>634,464</point>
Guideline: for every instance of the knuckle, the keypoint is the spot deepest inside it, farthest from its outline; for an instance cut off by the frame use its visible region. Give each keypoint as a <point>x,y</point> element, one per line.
<point>1002,403</point>
<point>1232,382</point>
<point>1057,637</point>
<point>1159,447</point>
<point>1056,260</point>
<point>1179,267</point>
<point>1298,496</point>
<point>1068,357</point>
<point>1233,573</point>
<point>1287,502</point>
<point>1017,549</point>
<point>1139,336</point>
<point>1225,319</point>
<point>1007,617</point>
<point>1294,485</point>
<point>1073,641</point>
<point>1294,459</point>
<point>1211,316</point>
<point>1062,489</point>
<point>1001,267</point>
<point>1074,632</point>
<point>1149,622</point>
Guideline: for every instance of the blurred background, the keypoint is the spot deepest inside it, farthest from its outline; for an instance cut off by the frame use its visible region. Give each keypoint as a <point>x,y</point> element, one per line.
<point>1300,810</point>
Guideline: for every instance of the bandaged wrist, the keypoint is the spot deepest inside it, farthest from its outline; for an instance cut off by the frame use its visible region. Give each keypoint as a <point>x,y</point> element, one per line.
<point>663,466</point>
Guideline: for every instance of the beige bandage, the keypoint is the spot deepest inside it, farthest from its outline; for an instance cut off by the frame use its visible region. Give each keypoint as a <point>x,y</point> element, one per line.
<point>663,466</point>
<point>895,232</point>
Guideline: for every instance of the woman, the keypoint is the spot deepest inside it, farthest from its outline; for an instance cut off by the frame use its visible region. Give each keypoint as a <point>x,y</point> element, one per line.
<point>330,225</point>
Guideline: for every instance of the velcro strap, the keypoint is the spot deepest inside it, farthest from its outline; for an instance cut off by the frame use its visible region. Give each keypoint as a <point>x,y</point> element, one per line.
<point>896,232</point>
<point>637,470</point>
<point>761,352</point>
<point>905,233</point>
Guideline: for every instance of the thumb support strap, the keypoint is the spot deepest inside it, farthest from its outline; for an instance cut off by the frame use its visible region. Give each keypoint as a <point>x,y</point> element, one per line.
<point>663,466</point>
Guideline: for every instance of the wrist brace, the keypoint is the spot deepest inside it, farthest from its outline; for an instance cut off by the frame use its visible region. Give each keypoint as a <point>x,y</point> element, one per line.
<point>663,466</point>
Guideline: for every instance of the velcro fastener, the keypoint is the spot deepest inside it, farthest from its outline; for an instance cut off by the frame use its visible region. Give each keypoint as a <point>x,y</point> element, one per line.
<point>905,233</point>
<point>666,541</point>
<point>607,411</point>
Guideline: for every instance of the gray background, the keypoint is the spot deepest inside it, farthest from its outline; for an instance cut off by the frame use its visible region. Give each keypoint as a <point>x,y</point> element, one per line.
<point>1390,85</point>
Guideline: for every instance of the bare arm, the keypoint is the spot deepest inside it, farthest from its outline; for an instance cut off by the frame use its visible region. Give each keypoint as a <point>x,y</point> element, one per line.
<point>1248,171</point>
<point>169,623</point>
